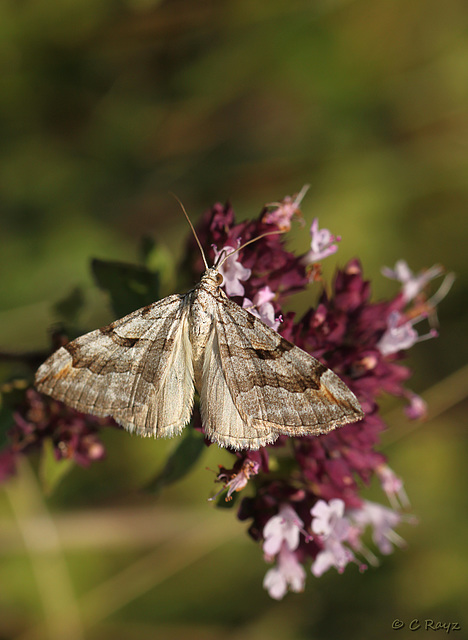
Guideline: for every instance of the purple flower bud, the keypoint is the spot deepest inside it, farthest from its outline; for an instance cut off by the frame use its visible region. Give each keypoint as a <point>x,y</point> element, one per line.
<point>73,434</point>
<point>7,464</point>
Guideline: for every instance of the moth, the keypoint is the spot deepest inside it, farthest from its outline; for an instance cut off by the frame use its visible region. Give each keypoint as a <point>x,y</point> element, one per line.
<point>144,368</point>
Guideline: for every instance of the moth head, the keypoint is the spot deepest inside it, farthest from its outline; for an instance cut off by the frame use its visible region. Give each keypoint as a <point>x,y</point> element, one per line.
<point>212,279</point>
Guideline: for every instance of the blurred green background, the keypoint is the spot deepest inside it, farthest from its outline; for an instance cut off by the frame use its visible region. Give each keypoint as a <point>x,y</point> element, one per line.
<point>105,107</point>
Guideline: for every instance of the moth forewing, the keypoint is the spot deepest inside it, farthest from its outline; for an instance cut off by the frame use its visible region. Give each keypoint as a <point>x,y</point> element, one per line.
<point>137,370</point>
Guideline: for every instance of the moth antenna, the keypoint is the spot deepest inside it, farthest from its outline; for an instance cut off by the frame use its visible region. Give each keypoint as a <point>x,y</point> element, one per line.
<point>263,235</point>
<point>193,229</point>
<point>222,254</point>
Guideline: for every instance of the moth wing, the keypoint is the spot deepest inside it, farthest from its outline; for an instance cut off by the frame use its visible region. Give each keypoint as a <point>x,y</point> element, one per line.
<point>274,384</point>
<point>138,370</point>
<point>222,421</point>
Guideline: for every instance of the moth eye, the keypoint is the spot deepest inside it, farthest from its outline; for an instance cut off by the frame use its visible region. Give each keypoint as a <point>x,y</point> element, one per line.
<point>219,278</point>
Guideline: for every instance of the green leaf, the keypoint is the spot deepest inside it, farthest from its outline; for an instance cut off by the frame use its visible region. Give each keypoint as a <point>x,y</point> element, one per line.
<point>158,258</point>
<point>68,308</point>
<point>129,286</point>
<point>51,470</point>
<point>180,462</point>
<point>147,246</point>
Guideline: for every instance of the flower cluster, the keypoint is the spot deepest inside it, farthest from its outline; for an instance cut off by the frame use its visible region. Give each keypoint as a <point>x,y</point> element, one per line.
<point>38,418</point>
<point>305,506</point>
<point>310,507</point>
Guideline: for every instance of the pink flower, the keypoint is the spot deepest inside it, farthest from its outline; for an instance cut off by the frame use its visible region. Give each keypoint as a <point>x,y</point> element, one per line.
<point>282,528</point>
<point>328,516</point>
<point>288,573</point>
<point>412,283</point>
<point>262,308</point>
<point>382,520</point>
<point>237,480</point>
<point>400,334</point>
<point>393,486</point>
<point>232,271</point>
<point>334,554</point>
<point>339,529</point>
<point>284,211</point>
<point>334,529</point>
<point>322,244</point>
<point>417,407</point>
